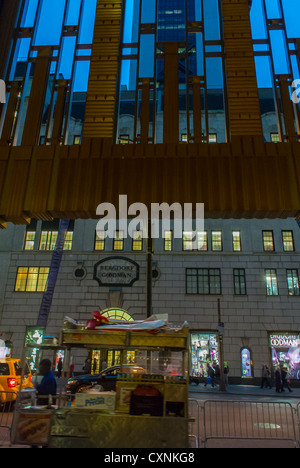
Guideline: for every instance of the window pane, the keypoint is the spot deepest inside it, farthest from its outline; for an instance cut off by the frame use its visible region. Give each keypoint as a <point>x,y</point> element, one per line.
<point>236,241</point>
<point>187,241</point>
<point>271,283</point>
<point>268,241</point>
<point>42,279</point>
<point>68,241</point>
<point>100,240</point>
<point>119,240</point>
<point>202,241</point>
<point>21,279</point>
<point>29,241</point>
<point>217,241</point>
<point>293,282</point>
<point>288,241</point>
<point>168,241</point>
<point>32,279</point>
<point>137,241</point>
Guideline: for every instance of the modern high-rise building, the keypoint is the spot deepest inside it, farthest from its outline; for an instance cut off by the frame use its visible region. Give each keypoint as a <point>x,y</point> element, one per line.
<point>164,101</point>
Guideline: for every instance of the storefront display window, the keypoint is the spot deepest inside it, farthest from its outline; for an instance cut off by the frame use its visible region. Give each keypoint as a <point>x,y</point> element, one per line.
<point>204,351</point>
<point>285,349</point>
<point>247,364</point>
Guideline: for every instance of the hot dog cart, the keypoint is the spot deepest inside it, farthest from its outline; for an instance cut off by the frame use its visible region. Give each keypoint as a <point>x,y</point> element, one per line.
<point>148,409</point>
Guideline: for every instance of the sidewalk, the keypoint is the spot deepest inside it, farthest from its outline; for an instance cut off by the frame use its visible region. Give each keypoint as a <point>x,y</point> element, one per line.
<point>250,390</point>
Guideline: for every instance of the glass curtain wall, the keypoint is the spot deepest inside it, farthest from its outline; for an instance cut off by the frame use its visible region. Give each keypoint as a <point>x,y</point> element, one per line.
<point>276,34</point>
<point>67,27</point>
<point>195,26</point>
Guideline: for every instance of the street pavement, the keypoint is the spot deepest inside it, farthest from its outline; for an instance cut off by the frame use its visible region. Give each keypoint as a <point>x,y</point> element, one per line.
<point>241,390</point>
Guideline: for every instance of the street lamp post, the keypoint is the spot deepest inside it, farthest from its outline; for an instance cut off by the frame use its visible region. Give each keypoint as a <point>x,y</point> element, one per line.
<point>222,386</point>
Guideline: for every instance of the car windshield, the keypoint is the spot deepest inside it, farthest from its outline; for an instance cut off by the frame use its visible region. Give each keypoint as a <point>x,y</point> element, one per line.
<point>4,369</point>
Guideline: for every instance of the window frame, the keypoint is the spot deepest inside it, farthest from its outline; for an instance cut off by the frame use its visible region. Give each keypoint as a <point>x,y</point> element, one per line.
<point>264,242</point>
<point>33,277</point>
<point>271,279</point>
<point>292,277</point>
<point>209,278</point>
<point>283,242</point>
<point>239,276</point>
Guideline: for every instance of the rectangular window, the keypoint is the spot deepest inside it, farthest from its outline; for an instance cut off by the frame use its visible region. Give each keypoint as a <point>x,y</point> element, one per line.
<point>31,279</point>
<point>271,283</point>
<point>293,282</point>
<point>203,281</point>
<point>202,241</point>
<point>168,245</point>
<point>288,241</point>
<point>48,240</point>
<point>236,241</point>
<point>187,241</point>
<point>275,138</point>
<point>68,241</point>
<point>137,241</point>
<point>268,241</point>
<point>119,240</point>
<point>100,240</point>
<point>239,280</point>
<point>29,240</point>
<point>216,241</point>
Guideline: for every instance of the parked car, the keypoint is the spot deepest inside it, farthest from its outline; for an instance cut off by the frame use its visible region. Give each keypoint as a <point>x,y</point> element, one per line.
<point>107,379</point>
<point>10,379</point>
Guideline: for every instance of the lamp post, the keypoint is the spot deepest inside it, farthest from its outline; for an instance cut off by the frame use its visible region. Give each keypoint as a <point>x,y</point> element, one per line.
<point>222,386</point>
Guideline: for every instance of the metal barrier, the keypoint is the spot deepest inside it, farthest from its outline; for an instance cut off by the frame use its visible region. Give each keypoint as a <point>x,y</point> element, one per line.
<point>248,420</point>
<point>7,401</point>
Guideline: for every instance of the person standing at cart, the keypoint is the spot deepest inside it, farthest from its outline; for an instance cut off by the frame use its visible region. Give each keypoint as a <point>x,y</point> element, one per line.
<point>48,385</point>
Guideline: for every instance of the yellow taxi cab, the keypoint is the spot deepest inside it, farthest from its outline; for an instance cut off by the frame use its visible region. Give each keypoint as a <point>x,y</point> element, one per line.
<point>10,379</point>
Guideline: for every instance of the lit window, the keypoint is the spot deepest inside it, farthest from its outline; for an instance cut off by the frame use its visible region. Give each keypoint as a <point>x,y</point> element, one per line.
<point>236,241</point>
<point>187,241</point>
<point>29,240</point>
<point>100,240</point>
<point>293,282</point>
<point>48,240</point>
<point>119,240</point>
<point>77,140</point>
<point>275,138</point>
<point>288,241</point>
<point>31,279</point>
<point>124,139</point>
<point>168,241</point>
<point>268,241</point>
<point>271,283</point>
<point>137,241</point>
<point>216,241</point>
<point>212,138</point>
<point>202,241</point>
<point>68,241</point>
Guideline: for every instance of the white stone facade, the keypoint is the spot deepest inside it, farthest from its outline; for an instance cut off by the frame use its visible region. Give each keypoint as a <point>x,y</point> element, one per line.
<point>248,319</point>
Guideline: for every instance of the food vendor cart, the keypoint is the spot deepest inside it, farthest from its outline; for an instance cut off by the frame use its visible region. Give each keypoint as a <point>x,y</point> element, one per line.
<point>149,408</point>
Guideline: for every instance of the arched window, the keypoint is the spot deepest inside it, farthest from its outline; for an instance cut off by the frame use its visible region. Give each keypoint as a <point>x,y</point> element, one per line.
<point>117,314</point>
<point>247,365</point>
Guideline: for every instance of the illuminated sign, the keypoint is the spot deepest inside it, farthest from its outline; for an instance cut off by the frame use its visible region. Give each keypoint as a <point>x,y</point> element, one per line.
<point>116,271</point>
<point>284,341</point>
<point>34,335</point>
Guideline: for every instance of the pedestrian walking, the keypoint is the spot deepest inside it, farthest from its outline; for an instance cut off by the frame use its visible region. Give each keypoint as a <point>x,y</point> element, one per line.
<point>265,377</point>
<point>285,382</point>
<point>210,376</point>
<point>226,373</point>
<point>278,381</point>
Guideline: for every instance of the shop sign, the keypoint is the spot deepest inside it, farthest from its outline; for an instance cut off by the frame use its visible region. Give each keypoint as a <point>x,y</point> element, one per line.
<point>116,271</point>
<point>284,341</point>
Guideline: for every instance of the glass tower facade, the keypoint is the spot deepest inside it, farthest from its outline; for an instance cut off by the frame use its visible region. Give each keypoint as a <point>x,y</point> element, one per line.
<point>149,29</point>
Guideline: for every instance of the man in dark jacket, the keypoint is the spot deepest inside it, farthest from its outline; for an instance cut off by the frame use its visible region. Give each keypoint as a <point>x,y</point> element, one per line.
<point>48,384</point>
